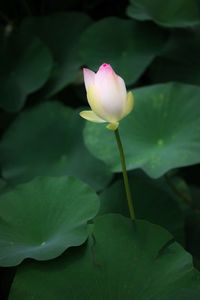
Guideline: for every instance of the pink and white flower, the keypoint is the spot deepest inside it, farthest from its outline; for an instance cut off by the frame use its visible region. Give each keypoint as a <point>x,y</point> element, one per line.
<point>107,97</point>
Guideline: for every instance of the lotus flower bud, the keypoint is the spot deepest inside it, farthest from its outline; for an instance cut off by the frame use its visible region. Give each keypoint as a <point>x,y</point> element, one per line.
<point>107,97</point>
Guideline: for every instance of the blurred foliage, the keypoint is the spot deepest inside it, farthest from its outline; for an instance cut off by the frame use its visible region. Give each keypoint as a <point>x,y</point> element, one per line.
<point>56,168</point>
<point>172,13</point>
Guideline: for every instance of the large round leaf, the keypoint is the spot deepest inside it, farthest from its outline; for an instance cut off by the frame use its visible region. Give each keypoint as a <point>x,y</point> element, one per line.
<point>61,33</point>
<point>25,65</point>
<point>130,57</point>
<point>153,201</point>
<point>44,217</point>
<point>162,132</point>
<point>122,261</point>
<point>47,140</point>
<point>171,13</point>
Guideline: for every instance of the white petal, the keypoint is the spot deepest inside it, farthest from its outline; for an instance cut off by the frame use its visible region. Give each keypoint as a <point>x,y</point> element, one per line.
<point>89,77</point>
<point>91,116</point>
<point>111,92</point>
<point>129,104</point>
<point>122,87</point>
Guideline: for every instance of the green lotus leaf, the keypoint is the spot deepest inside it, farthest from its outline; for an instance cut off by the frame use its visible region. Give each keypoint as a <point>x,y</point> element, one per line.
<point>25,64</point>
<point>44,217</point>
<point>153,201</point>
<point>47,140</point>
<point>61,33</point>
<point>179,59</point>
<point>161,133</point>
<point>131,56</point>
<point>122,260</point>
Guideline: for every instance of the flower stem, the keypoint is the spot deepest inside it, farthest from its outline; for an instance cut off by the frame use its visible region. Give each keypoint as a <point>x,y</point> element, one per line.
<point>125,176</point>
